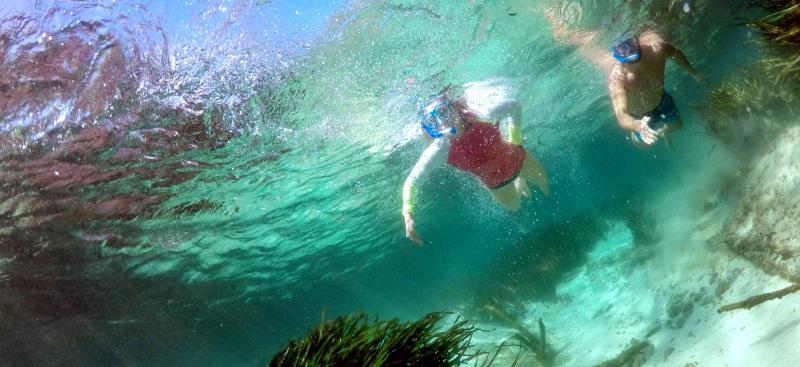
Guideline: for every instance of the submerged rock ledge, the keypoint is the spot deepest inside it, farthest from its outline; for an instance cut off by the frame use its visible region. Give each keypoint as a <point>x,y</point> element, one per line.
<point>765,227</point>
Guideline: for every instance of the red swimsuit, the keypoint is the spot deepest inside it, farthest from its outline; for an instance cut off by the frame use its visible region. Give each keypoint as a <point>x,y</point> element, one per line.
<point>482,151</point>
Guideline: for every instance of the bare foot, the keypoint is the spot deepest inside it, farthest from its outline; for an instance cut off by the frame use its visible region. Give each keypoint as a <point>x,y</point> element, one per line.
<point>667,138</point>
<point>544,185</point>
<point>522,187</point>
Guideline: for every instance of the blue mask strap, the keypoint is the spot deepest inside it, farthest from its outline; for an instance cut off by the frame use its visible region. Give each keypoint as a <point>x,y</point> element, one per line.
<point>629,58</point>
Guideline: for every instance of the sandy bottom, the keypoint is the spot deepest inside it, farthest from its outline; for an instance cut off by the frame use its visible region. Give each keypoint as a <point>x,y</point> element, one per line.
<point>674,286</point>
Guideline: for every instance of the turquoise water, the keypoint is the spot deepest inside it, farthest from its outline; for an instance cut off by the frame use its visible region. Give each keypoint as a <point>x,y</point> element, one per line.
<point>281,201</point>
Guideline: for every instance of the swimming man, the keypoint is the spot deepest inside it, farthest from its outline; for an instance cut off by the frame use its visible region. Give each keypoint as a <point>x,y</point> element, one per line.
<point>635,71</point>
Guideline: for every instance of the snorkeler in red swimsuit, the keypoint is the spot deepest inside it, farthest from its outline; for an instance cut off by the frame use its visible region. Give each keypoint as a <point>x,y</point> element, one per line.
<point>482,151</point>
<point>476,146</point>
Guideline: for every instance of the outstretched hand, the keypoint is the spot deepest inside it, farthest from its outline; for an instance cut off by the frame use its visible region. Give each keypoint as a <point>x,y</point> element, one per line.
<point>648,135</point>
<point>411,234</point>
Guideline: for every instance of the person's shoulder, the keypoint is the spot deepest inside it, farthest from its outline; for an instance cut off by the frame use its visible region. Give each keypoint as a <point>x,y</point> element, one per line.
<point>657,45</point>
<point>651,38</point>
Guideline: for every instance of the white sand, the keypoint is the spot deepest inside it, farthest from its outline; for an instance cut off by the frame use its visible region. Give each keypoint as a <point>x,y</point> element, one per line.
<point>624,291</point>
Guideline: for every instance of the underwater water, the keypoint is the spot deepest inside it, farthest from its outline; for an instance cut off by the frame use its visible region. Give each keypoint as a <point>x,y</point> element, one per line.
<point>200,182</point>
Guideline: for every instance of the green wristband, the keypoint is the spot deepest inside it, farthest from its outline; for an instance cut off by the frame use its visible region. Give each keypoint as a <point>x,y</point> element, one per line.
<point>409,198</point>
<point>514,135</point>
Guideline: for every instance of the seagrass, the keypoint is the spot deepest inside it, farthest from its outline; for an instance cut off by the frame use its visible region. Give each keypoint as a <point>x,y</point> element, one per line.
<point>358,340</point>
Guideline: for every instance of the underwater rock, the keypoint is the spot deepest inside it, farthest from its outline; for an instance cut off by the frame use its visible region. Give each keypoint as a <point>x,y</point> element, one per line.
<point>679,308</point>
<point>681,305</point>
<point>721,283</point>
<point>765,227</point>
<point>634,356</point>
<point>668,353</point>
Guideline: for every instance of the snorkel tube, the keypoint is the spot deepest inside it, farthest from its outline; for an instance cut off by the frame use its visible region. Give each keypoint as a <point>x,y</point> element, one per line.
<point>430,130</point>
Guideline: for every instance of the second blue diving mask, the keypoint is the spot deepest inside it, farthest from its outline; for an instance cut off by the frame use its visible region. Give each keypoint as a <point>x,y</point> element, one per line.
<point>435,117</point>
<point>626,49</point>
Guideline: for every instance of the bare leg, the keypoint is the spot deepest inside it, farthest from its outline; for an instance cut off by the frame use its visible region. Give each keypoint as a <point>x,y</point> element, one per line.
<point>522,187</point>
<point>508,197</point>
<point>533,171</point>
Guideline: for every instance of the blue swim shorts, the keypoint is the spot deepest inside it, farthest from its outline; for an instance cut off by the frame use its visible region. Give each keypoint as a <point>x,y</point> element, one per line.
<point>664,113</point>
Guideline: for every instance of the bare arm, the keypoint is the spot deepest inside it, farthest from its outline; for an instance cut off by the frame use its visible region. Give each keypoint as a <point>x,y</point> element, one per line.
<point>680,59</point>
<point>619,101</point>
<point>410,189</point>
<point>511,110</point>
<point>581,39</point>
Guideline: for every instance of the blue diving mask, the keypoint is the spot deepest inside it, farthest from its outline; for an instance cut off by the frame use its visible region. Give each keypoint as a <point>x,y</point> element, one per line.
<point>626,50</point>
<point>435,117</point>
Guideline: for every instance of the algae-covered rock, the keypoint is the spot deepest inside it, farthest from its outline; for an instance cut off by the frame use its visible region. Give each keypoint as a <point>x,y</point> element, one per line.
<point>765,227</point>
<point>679,308</point>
